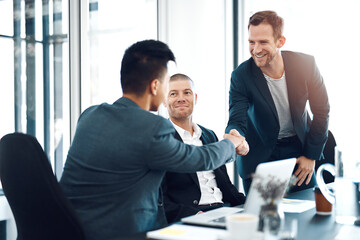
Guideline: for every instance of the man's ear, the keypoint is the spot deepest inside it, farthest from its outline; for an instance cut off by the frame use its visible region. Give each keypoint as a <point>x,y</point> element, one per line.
<point>281,42</point>
<point>195,98</point>
<point>154,86</point>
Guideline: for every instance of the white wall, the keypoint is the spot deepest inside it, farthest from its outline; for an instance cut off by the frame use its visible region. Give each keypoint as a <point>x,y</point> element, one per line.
<point>200,35</point>
<point>196,33</point>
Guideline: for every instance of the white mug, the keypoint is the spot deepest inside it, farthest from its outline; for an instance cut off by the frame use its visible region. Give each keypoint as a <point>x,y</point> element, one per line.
<point>242,226</point>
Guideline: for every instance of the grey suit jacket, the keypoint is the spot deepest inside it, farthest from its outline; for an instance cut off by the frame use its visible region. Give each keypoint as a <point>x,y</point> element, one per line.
<point>116,164</point>
<point>253,113</point>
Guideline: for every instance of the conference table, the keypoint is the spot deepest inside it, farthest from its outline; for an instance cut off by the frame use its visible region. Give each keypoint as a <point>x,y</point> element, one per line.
<point>310,225</point>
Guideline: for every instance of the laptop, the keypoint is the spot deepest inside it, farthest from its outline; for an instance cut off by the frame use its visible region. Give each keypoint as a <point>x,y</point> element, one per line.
<point>282,169</point>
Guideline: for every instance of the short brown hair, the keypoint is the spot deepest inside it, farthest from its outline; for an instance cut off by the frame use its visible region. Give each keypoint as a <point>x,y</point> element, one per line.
<point>271,18</point>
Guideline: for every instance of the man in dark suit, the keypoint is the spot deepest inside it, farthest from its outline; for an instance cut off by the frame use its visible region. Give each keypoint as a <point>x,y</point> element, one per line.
<point>190,193</point>
<point>121,151</point>
<point>268,97</point>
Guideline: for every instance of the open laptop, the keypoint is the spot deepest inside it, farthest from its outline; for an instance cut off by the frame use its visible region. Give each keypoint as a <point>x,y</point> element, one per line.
<point>282,169</point>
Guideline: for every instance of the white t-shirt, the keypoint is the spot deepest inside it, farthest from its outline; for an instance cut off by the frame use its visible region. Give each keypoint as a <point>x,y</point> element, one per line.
<point>279,94</point>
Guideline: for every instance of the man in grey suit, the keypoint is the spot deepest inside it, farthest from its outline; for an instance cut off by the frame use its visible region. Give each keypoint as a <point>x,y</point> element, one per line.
<point>268,97</point>
<point>121,151</point>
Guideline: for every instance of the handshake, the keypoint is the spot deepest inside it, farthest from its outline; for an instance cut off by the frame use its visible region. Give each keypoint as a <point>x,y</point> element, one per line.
<point>241,145</point>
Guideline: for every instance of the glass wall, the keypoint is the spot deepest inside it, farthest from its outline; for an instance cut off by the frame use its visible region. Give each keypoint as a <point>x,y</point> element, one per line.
<point>199,40</point>
<point>199,33</point>
<point>110,27</point>
<point>34,62</point>
<point>34,92</point>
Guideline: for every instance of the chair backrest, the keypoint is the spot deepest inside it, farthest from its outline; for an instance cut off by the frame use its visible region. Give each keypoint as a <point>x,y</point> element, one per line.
<point>329,156</point>
<point>40,208</point>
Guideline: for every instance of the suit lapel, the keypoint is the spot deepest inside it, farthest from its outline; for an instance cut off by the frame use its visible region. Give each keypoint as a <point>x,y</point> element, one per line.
<point>193,176</point>
<point>293,89</point>
<point>290,76</point>
<point>204,138</point>
<point>195,179</point>
<point>263,88</point>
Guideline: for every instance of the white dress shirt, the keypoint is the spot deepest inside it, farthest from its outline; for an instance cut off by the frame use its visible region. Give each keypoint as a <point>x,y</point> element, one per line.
<point>210,193</point>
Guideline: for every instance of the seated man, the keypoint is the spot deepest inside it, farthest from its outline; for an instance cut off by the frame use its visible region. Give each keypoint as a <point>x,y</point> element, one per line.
<point>186,194</point>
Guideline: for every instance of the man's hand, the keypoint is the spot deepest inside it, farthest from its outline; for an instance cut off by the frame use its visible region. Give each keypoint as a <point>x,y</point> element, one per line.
<point>241,146</point>
<point>305,170</point>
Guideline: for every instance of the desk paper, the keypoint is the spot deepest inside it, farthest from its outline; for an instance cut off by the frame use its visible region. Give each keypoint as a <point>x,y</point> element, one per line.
<point>185,232</point>
<point>296,205</point>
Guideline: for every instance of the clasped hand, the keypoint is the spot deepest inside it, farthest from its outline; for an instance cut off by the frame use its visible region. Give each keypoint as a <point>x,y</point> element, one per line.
<point>240,143</point>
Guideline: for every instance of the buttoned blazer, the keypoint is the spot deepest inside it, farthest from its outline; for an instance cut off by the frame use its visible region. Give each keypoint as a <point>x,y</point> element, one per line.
<point>253,113</point>
<point>182,190</point>
<point>116,163</point>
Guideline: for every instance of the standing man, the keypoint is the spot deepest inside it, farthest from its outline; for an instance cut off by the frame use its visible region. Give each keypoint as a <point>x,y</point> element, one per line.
<point>187,194</point>
<point>268,97</point>
<point>121,151</point>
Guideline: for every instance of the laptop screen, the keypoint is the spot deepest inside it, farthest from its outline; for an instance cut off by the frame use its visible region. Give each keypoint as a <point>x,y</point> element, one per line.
<point>270,176</point>
<point>281,169</point>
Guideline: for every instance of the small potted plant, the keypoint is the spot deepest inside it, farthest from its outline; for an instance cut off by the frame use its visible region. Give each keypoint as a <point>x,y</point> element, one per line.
<point>270,217</point>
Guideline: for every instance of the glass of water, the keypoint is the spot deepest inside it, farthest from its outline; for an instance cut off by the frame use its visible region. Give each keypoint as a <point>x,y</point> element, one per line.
<point>290,232</point>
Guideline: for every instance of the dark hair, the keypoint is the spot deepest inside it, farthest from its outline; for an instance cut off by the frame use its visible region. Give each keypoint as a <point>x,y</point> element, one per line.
<point>143,62</point>
<point>271,18</point>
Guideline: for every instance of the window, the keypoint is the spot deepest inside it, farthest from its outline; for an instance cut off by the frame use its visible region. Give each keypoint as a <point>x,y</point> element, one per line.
<point>198,32</point>
<point>34,60</point>
<point>111,26</point>
<point>34,36</point>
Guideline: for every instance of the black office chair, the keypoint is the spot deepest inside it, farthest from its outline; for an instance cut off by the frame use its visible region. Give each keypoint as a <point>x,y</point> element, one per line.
<point>329,157</point>
<point>40,208</point>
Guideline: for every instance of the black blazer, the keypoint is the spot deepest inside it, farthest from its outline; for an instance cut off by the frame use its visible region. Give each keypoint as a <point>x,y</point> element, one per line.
<point>182,190</point>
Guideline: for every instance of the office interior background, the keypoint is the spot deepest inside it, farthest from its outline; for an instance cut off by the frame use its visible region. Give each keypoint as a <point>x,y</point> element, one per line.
<point>58,57</point>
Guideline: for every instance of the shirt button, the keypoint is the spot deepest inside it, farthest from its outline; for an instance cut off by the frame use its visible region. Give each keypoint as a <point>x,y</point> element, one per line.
<point>195,202</point>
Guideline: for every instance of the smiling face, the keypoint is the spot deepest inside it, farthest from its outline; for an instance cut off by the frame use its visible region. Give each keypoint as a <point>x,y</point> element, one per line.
<point>181,99</point>
<point>264,48</point>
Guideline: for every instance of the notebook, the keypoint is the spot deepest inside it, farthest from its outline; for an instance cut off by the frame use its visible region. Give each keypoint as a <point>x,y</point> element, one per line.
<point>282,169</point>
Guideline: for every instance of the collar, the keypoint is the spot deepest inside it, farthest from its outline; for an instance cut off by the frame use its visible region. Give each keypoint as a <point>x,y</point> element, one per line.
<point>268,78</point>
<point>183,133</point>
